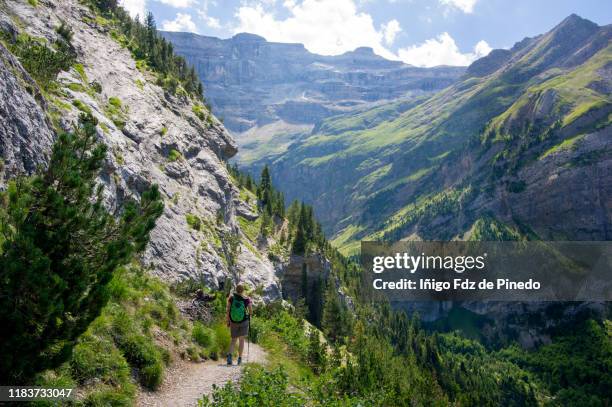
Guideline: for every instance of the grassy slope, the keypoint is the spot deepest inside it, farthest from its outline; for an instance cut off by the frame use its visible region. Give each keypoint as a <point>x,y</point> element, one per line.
<point>427,133</point>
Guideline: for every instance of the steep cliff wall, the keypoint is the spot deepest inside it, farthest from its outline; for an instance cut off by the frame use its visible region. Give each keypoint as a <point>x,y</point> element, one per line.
<point>153,137</point>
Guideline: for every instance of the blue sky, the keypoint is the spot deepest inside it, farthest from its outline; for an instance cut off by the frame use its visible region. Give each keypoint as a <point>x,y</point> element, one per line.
<point>418,32</point>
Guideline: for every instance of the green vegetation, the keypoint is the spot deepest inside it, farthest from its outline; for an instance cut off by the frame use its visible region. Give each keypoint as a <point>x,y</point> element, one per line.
<point>53,286</point>
<point>174,155</point>
<point>199,111</point>
<point>115,111</point>
<point>194,221</point>
<point>81,106</point>
<point>43,61</point>
<point>576,367</point>
<point>150,49</point>
<point>125,339</point>
<point>257,388</point>
<point>564,145</point>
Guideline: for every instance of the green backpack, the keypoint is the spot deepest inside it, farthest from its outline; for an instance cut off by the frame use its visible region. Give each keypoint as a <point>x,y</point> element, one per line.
<point>238,309</point>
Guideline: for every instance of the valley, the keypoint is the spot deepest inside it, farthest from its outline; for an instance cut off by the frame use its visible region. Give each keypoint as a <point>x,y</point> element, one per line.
<point>516,142</point>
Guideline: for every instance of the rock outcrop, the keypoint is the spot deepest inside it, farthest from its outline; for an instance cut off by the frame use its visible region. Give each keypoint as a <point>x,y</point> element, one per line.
<point>159,140</point>
<point>26,135</point>
<point>253,82</point>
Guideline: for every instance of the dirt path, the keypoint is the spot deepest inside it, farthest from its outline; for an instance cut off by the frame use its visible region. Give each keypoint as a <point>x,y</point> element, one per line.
<point>185,382</point>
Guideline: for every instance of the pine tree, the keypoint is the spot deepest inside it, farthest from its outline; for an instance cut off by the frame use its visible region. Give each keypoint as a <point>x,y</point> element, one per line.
<point>264,228</point>
<point>60,247</point>
<point>333,320</point>
<point>265,188</point>
<point>317,352</point>
<point>302,232</point>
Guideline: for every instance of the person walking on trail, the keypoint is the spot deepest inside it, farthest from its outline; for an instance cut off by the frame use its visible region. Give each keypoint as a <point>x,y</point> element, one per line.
<point>238,312</point>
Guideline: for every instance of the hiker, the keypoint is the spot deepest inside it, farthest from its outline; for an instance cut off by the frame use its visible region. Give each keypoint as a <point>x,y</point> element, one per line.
<point>238,311</point>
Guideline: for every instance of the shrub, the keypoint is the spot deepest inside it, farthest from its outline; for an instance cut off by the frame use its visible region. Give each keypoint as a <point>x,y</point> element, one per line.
<point>109,397</point>
<point>199,111</point>
<point>115,101</point>
<point>96,358</point>
<point>174,155</point>
<point>152,375</point>
<point>222,336</point>
<point>96,86</point>
<point>202,335</point>
<point>257,388</point>
<point>81,106</point>
<point>65,31</point>
<point>41,61</point>
<point>193,221</point>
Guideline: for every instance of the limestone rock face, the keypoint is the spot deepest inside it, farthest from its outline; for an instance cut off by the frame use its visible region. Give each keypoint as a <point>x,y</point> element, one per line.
<point>158,141</point>
<point>252,82</point>
<point>25,133</point>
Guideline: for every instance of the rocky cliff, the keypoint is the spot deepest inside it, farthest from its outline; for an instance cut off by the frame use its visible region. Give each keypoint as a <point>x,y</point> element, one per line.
<point>153,137</point>
<point>254,84</point>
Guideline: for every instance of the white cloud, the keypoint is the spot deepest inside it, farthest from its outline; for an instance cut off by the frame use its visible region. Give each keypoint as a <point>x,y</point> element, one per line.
<point>327,27</point>
<point>441,51</point>
<point>178,3</point>
<point>135,7</point>
<point>182,22</point>
<point>482,49</point>
<point>467,6</point>
<point>390,31</point>
<point>212,22</point>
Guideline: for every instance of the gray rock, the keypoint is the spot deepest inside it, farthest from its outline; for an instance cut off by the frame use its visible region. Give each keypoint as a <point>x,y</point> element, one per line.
<point>26,135</point>
<point>252,82</point>
<point>196,184</point>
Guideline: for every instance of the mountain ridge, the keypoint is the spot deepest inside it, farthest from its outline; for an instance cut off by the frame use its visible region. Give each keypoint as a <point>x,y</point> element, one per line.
<point>482,133</point>
<point>253,83</point>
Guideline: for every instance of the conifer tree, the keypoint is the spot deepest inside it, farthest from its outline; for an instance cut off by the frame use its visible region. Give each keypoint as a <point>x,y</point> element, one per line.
<point>60,247</point>
<point>334,319</point>
<point>317,355</point>
<point>265,188</point>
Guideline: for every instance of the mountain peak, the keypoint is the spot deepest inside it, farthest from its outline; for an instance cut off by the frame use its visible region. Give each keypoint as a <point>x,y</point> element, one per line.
<point>248,37</point>
<point>364,51</point>
<point>574,22</point>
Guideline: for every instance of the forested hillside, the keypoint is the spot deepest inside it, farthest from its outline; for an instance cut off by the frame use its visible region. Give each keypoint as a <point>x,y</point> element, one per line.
<point>515,143</point>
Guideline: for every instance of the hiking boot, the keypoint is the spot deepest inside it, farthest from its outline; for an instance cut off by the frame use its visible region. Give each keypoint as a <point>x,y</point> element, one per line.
<point>239,360</point>
<point>229,359</point>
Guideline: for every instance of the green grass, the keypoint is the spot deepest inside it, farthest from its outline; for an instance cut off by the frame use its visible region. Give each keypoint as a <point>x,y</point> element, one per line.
<point>115,102</point>
<point>193,221</point>
<point>200,111</point>
<point>250,227</point>
<point>121,350</point>
<point>204,336</point>
<point>174,155</point>
<point>81,106</point>
<point>345,240</point>
<point>115,111</point>
<point>81,71</point>
<point>283,337</point>
<point>567,144</point>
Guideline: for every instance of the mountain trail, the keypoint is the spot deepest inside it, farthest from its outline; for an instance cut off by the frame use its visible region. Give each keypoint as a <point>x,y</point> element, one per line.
<point>185,382</point>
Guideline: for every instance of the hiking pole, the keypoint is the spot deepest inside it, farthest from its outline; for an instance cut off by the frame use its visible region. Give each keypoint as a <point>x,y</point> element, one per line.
<point>249,340</point>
